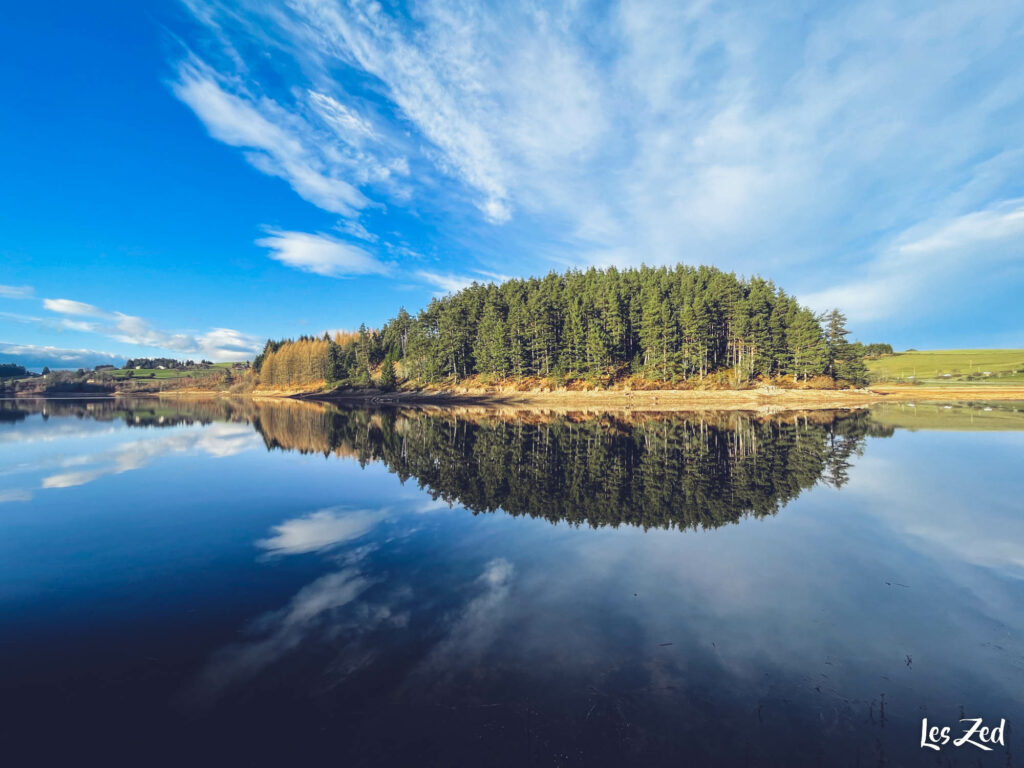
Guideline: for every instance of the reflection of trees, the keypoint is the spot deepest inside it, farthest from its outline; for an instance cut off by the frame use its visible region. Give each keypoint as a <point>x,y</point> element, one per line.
<point>10,412</point>
<point>649,470</point>
<point>664,471</point>
<point>137,411</point>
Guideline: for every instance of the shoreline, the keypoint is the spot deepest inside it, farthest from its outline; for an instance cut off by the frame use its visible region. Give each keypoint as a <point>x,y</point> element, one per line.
<point>654,400</point>
<point>630,400</point>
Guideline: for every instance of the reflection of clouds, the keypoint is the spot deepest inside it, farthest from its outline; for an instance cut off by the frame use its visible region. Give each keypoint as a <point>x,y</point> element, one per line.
<point>71,479</point>
<point>434,505</point>
<point>327,610</point>
<point>15,494</point>
<point>320,530</point>
<point>474,629</point>
<point>809,596</point>
<point>334,612</point>
<point>215,440</point>
<point>49,432</point>
<point>229,440</point>
<point>938,517</point>
<point>282,631</point>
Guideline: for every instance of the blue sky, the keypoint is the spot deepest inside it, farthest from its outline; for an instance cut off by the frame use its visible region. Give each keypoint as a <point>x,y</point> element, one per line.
<point>187,179</point>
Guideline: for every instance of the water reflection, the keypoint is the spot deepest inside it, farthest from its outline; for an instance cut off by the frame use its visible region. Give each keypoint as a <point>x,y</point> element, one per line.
<point>644,469</point>
<point>667,471</point>
<point>233,594</point>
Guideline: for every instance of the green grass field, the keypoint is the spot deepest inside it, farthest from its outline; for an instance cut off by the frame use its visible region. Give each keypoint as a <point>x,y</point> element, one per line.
<point>951,366</point>
<point>166,373</point>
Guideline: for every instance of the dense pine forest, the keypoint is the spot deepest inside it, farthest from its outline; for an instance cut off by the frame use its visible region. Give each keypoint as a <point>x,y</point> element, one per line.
<point>657,324</point>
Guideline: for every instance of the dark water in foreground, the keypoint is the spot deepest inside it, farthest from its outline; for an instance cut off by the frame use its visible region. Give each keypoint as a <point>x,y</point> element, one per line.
<point>287,584</point>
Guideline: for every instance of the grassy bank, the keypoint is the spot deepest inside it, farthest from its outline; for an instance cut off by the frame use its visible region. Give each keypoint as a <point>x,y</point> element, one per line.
<point>951,367</point>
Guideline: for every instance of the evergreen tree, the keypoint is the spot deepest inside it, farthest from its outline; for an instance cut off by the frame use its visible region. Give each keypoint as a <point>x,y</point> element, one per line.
<point>491,348</point>
<point>388,379</point>
<point>844,361</point>
<point>806,346</point>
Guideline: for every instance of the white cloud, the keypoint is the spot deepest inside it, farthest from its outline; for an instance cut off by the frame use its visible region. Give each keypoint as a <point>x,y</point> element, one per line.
<point>447,282</point>
<point>777,140</point>
<point>227,344</point>
<point>72,479</point>
<point>218,344</point>
<point>1003,222</point>
<point>79,325</point>
<point>15,494</point>
<point>69,307</point>
<point>344,120</point>
<point>321,254</point>
<point>930,261</point>
<point>16,292</point>
<point>269,133</point>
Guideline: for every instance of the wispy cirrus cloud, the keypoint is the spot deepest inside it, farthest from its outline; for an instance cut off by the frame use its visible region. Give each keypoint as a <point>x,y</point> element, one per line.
<point>17,292</point>
<point>937,262</point>
<point>15,494</point>
<point>1002,223</point>
<point>272,138</point>
<point>777,140</point>
<point>446,282</point>
<point>324,149</point>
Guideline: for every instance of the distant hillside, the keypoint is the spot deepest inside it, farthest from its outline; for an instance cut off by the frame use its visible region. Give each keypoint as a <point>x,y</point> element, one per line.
<point>37,358</point>
<point>951,366</point>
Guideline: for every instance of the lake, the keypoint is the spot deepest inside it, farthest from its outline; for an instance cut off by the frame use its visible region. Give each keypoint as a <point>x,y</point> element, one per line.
<point>249,583</point>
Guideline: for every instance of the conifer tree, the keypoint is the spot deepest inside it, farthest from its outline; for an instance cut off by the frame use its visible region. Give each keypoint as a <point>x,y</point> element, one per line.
<point>844,362</point>
<point>388,378</point>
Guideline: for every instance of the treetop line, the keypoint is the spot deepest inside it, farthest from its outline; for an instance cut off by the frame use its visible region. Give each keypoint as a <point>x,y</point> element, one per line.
<point>666,324</point>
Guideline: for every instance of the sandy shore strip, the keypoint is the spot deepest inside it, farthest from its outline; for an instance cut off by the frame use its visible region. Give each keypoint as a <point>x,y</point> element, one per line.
<point>683,400</point>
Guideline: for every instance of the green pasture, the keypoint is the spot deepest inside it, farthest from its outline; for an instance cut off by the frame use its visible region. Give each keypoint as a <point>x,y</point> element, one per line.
<point>951,366</point>
<point>166,373</point>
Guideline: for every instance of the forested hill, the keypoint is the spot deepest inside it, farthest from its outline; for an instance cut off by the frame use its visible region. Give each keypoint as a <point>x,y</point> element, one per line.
<point>661,324</point>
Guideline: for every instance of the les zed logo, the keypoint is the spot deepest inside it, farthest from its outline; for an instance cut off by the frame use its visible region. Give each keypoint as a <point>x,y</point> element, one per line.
<point>974,734</point>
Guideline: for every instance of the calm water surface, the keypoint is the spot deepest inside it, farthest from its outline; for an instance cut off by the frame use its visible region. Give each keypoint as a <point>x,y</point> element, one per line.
<point>287,583</point>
